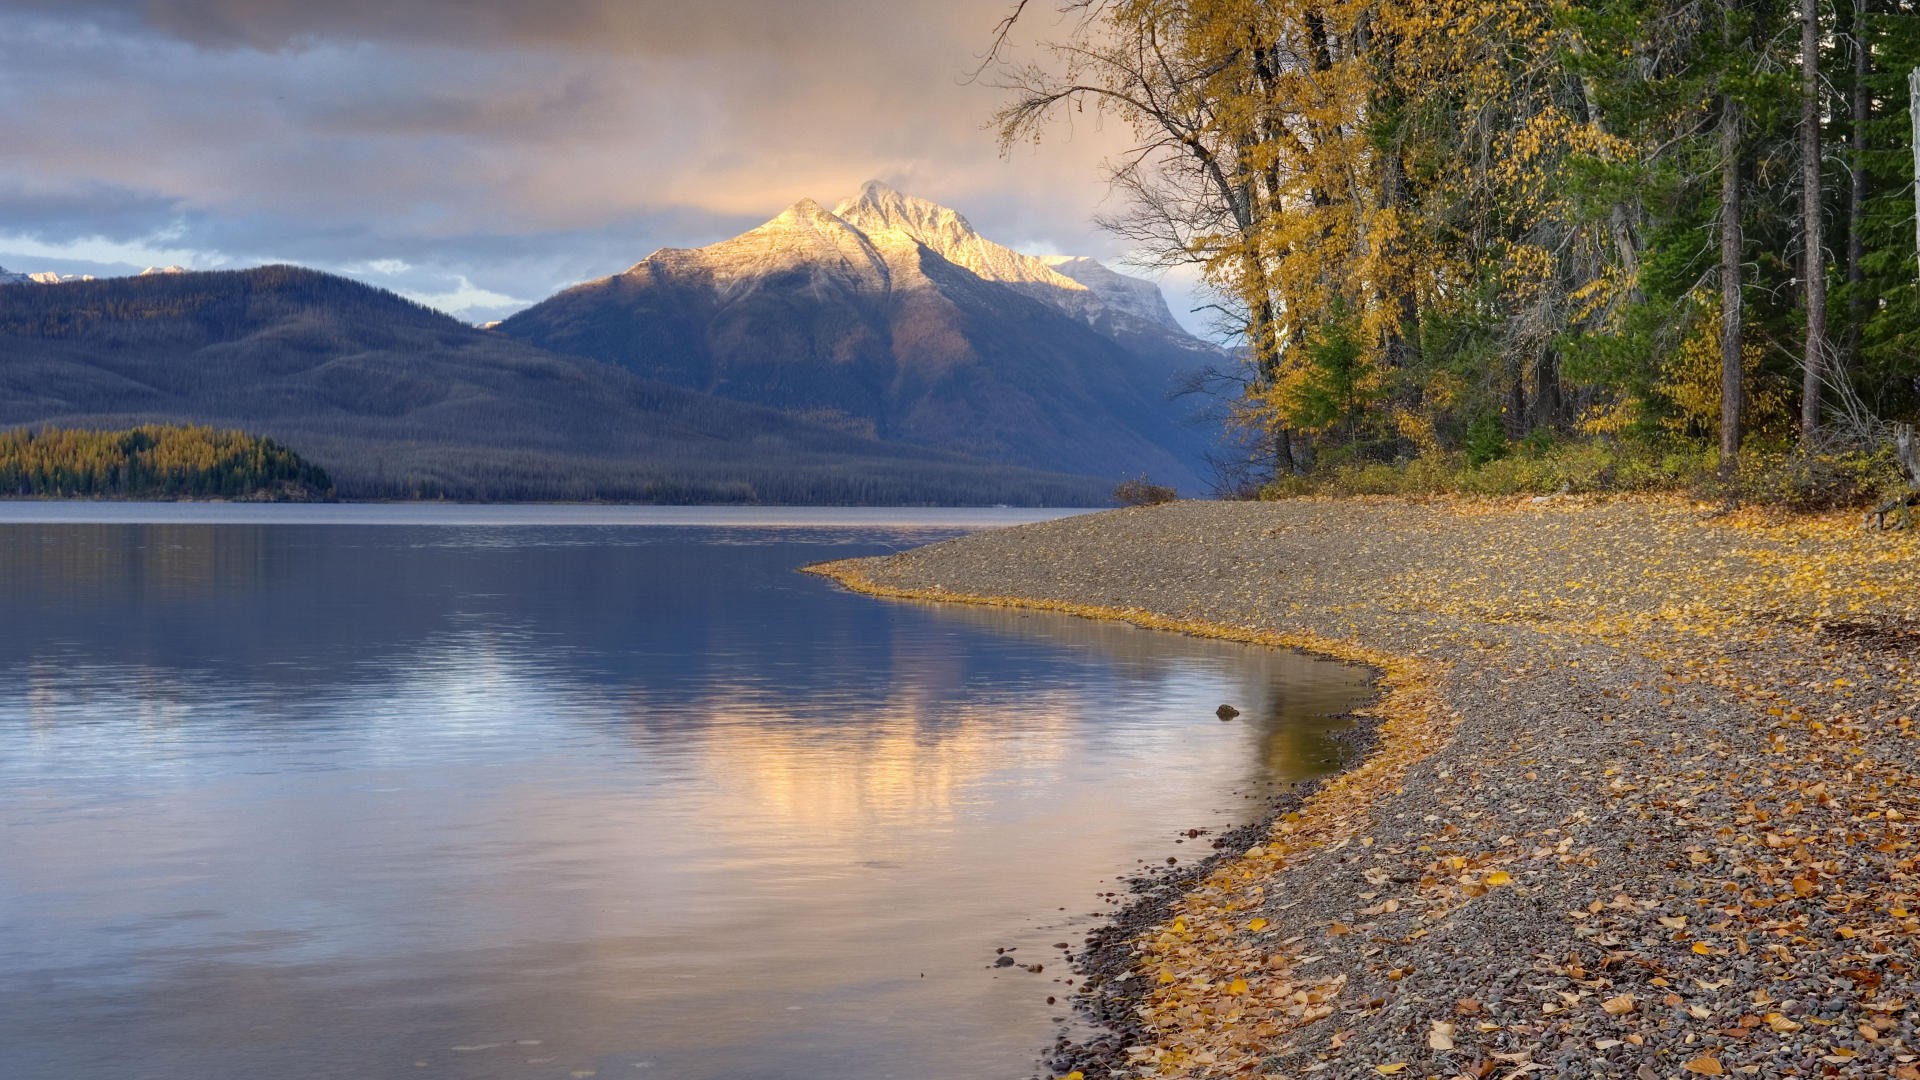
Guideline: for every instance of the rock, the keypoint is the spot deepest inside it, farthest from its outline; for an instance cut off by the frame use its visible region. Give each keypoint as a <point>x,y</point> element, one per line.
<point>1226,712</point>
<point>1003,961</point>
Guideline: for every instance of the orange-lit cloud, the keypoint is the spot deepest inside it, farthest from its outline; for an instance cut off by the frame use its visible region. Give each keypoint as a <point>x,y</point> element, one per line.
<point>516,144</point>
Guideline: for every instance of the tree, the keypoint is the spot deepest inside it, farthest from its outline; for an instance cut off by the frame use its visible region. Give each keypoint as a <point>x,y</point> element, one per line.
<point>1813,255</point>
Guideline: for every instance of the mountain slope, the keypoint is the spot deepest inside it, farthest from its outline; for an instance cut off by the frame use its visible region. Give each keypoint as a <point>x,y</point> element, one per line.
<point>395,400</point>
<point>860,322</point>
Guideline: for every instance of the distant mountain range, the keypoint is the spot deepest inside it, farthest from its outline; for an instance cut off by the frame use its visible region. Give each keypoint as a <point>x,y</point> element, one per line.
<point>883,352</point>
<point>891,315</point>
<point>398,401</point>
<point>49,277</point>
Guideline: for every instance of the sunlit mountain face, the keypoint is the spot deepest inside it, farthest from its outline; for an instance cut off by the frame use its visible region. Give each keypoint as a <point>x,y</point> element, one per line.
<point>892,315</point>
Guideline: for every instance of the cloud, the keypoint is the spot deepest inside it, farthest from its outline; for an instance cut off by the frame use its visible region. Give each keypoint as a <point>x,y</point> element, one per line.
<point>513,144</point>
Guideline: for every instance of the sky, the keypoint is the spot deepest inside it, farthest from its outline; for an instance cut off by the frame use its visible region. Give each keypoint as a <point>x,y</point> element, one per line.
<point>480,155</point>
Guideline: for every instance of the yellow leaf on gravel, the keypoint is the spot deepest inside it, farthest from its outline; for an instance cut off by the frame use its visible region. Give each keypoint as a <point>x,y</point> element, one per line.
<point>1257,925</point>
<point>1702,948</point>
<point>1618,1006</point>
<point>1499,877</point>
<point>1389,1070</point>
<point>1705,1065</point>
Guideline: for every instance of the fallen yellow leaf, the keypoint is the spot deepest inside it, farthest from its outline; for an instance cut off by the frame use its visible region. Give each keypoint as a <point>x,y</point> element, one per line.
<point>1618,1006</point>
<point>1389,1070</point>
<point>1499,877</point>
<point>1257,925</point>
<point>1705,1065</point>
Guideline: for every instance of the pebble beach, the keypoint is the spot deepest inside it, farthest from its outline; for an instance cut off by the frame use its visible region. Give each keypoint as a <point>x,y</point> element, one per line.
<point>1638,797</point>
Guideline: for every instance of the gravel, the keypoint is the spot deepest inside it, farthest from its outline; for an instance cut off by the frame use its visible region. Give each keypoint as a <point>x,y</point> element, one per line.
<point>1675,739</point>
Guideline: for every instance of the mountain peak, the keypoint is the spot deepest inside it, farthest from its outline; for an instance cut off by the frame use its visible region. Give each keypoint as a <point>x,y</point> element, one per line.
<point>880,209</point>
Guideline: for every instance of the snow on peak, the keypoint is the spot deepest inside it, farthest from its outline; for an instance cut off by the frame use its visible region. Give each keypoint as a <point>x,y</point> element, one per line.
<point>163,270</point>
<point>44,277</point>
<point>804,236</point>
<point>870,241</point>
<point>879,208</point>
<point>1120,293</point>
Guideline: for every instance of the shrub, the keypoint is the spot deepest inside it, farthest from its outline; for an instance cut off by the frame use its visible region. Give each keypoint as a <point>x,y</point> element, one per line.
<point>1142,492</point>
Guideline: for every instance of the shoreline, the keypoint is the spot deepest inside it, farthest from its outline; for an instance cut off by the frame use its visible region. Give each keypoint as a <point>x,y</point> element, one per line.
<point>1638,806</point>
<point>1392,728</point>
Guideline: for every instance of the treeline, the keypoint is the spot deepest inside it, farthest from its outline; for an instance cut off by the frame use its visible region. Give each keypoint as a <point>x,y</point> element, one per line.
<point>1471,228</point>
<point>683,476</point>
<point>154,462</point>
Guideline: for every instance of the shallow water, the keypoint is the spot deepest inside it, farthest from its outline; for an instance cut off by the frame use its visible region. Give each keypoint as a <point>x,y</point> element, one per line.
<point>530,792</point>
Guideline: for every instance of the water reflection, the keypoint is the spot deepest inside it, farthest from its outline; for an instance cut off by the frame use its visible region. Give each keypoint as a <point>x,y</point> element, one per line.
<point>525,802</point>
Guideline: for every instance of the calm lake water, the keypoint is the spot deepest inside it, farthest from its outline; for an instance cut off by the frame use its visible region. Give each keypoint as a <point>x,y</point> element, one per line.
<point>370,792</point>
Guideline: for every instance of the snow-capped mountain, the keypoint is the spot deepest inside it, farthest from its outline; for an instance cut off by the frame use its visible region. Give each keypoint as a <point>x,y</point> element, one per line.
<point>1119,294</point>
<point>893,315</point>
<point>1111,302</point>
<point>879,209</point>
<point>52,277</point>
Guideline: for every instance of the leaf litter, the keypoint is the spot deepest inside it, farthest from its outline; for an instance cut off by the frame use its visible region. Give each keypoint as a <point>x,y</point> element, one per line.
<point>1643,802</point>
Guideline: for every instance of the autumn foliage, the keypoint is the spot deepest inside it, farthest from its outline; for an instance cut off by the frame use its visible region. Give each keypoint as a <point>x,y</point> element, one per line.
<point>1449,222</point>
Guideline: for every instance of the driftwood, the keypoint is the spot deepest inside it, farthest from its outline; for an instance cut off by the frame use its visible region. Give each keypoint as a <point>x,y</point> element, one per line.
<point>1901,505</point>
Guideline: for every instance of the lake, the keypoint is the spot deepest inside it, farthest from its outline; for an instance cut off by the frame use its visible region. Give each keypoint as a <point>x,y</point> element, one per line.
<point>550,792</point>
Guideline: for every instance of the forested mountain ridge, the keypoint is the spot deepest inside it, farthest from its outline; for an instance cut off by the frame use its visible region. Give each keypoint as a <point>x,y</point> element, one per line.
<point>863,321</point>
<point>396,400</point>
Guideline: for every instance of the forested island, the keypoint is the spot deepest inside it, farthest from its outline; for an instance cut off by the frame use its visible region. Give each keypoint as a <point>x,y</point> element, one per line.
<point>155,461</point>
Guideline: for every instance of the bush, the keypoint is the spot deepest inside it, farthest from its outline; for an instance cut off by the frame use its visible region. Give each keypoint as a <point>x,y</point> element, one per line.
<point>1768,475</point>
<point>1142,492</point>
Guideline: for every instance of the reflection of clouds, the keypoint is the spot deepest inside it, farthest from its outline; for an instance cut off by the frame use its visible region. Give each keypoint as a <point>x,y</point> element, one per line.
<point>904,758</point>
<point>538,808</point>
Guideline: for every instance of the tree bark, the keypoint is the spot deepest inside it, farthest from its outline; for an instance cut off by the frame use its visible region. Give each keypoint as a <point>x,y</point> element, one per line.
<point>1814,260</point>
<point>1858,104</point>
<point>1913,106</point>
<point>1732,358</point>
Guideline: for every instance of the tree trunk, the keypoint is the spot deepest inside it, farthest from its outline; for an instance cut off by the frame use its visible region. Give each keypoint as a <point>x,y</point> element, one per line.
<point>1732,359</point>
<point>1547,401</point>
<point>1815,258</point>
<point>1913,106</point>
<point>1858,104</point>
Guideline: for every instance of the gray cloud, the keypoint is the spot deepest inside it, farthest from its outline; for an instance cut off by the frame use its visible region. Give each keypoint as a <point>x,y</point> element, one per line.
<point>518,144</point>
